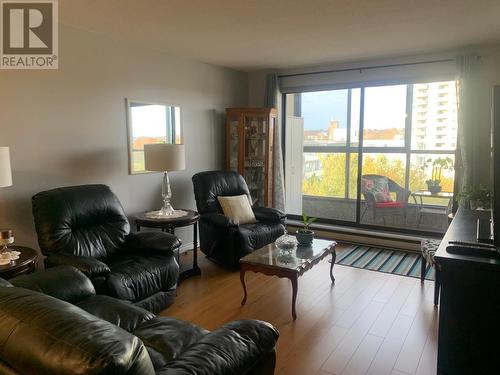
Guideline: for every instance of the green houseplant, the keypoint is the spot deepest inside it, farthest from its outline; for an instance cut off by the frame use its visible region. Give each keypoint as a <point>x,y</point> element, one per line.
<point>438,165</point>
<point>475,198</point>
<point>305,235</point>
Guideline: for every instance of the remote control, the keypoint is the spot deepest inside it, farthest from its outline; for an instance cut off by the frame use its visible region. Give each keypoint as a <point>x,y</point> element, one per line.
<point>473,244</point>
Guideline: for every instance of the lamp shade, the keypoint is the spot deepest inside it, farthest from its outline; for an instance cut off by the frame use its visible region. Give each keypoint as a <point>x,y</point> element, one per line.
<point>163,157</point>
<point>5,172</point>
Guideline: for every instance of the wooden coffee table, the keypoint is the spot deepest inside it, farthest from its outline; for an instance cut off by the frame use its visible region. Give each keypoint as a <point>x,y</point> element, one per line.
<point>272,261</point>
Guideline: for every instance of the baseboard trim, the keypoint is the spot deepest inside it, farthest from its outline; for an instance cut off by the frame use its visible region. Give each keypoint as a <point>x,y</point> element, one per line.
<point>186,247</point>
<point>364,237</point>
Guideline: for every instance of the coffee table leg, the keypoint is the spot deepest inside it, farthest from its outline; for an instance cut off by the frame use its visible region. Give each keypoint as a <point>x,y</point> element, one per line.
<point>294,280</point>
<point>334,257</point>
<point>242,279</point>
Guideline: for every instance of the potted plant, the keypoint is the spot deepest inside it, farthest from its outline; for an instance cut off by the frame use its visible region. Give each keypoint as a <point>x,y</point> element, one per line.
<point>305,235</point>
<point>438,165</point>
<point>479,198</point>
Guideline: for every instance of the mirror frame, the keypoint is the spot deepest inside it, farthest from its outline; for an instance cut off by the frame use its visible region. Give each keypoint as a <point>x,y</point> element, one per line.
<point>130,141</point>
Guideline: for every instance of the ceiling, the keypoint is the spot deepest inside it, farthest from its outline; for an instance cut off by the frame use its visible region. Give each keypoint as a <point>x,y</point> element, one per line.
<point>258,34</point>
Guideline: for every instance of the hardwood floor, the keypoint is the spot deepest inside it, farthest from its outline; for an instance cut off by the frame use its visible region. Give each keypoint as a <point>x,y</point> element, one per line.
<point>367,323</point>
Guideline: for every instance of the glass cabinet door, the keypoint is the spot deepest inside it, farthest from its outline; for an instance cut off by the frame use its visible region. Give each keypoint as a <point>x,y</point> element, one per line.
<point>233,144</point>
<point>255,157</point>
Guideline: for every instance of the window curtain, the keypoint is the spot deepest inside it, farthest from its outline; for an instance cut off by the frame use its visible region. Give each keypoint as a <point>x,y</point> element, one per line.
<point>272,98</point>
<point>464,159</point>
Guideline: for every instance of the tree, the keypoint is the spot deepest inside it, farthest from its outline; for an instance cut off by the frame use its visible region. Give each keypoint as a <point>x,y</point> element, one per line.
<point>330,182</point>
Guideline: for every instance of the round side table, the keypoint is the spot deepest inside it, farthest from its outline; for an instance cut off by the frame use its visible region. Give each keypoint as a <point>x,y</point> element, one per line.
<point>26,263</point>
<point>169,225</point>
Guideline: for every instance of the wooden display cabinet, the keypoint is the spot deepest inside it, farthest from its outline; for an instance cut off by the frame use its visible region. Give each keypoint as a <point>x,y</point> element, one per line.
<point>249,150</point>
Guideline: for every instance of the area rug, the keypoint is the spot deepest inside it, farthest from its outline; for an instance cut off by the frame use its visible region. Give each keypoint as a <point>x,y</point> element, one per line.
<point>383,260</point>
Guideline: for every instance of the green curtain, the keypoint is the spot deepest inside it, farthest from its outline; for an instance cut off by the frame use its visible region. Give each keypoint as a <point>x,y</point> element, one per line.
<point>272,98</point>
<point>465,138</point>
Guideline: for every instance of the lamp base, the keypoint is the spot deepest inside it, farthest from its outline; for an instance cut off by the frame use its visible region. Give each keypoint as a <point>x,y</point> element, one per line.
<point>166,210</point>
<point>157,214</point>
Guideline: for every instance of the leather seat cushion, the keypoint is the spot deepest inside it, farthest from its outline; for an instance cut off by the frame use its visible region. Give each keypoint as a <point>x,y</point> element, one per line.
<point>121,313</point>
<point>167,338</point>
<point>135,277</point>
<point>254,236</point>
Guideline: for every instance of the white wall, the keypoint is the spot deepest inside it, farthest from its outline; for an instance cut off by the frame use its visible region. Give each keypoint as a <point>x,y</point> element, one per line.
<point>67,127</point>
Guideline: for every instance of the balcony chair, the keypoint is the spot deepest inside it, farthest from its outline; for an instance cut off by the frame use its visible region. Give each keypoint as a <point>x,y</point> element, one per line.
<point>221,239</point>
<point>85,227</point>
<point>379,203</point>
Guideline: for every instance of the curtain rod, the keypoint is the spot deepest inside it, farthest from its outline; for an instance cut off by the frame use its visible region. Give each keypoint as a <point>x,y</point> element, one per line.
<point>365,68</point>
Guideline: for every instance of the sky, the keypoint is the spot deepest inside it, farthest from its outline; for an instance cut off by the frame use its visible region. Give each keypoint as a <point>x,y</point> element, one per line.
<point>151,120</point>
<point>385,107</point>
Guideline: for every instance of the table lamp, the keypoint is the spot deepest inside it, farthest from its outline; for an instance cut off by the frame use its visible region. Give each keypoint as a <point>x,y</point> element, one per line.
<point>5,172</point>
<point>6,236</point>
<point>164,157</point>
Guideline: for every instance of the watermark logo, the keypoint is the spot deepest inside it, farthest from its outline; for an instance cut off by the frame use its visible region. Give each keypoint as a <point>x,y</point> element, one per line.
<point>29,34</point>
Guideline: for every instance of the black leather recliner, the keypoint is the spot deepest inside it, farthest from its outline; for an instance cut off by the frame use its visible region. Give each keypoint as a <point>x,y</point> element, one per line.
<point>221,239</point>
<point>85,226</point>
<point>52,322</point>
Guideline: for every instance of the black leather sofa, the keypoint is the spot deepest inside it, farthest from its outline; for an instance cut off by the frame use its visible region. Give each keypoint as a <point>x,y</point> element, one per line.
<point>52,322</point>
<point>85,226</point>
<point>221,239</point>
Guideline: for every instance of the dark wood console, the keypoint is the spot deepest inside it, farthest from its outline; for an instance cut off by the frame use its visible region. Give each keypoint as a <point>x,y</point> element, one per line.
<point>469,309</point>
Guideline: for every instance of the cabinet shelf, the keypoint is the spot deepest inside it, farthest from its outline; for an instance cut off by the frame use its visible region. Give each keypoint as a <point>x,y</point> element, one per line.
<point>250,133</point>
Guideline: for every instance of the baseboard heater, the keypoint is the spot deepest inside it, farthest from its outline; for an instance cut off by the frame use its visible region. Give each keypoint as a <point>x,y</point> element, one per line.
<point>362,236</point>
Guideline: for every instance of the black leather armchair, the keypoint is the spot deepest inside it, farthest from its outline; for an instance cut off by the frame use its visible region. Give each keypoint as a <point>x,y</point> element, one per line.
<point>52,322</point>
<point>221,239</point>
<point>85,226</point>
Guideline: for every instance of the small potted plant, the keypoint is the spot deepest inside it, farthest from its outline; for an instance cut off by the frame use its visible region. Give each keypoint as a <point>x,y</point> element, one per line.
<point>438,165</point>
<point>434,186</point>
<point>473,199</point>
<point>305,235</point>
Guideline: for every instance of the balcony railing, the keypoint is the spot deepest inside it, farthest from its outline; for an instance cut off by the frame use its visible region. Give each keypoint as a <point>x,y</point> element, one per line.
<point>341,209</point>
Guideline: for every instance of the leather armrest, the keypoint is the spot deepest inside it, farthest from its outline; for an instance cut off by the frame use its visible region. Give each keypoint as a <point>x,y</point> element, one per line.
<point>218,220</point>
<point>269,214</point>
<point>121,313</point>
<point>62,282</point>
<point>152,242</point>
<point>5,283</point>
<point>91,267</point>
<point>231,349</point>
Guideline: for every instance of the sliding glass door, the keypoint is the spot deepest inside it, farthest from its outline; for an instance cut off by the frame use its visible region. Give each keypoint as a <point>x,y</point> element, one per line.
<point>363,155</point>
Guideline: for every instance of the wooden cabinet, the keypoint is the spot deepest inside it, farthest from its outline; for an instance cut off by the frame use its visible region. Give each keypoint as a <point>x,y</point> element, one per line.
<point>469,306</point>
<point>249,150</point>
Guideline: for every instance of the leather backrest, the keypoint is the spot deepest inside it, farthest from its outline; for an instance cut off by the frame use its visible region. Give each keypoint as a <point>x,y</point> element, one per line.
<point>209,185</point>
<point>40,334</point>
<point>62,282</point>
<point>86,220</point>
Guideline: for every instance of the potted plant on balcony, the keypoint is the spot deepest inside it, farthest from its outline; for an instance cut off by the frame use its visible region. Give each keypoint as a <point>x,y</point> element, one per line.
<point>305,235</point>
<point>438,165</point>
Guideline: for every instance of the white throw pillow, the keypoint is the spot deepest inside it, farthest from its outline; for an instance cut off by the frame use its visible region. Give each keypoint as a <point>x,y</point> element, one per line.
<point>238,209</point>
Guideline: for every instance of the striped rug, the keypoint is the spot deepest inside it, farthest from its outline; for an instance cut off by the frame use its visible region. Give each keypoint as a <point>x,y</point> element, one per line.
<point>383,260</point>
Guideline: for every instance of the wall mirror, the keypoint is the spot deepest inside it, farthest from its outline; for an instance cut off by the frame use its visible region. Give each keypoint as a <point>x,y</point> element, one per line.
<point>150,123</point>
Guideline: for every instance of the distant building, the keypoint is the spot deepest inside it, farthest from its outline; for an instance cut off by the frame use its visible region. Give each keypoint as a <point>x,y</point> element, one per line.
<point>315,136</point>
<point>434,116</point>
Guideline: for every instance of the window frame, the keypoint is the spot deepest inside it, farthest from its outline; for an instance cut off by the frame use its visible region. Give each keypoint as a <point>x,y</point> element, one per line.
<point>360,150</point>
